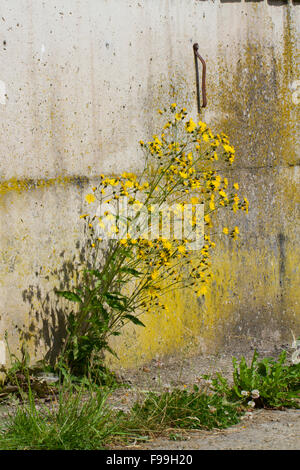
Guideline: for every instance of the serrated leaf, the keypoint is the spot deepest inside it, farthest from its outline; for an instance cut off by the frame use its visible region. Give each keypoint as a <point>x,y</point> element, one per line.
<point>69,295</point>
<point>80,292</point>
<point>132,271</point>
<point>116,301</point>
<point>95,273</point>
<point>134,320</point>
<point>115,296</point>
<point>111,351</point>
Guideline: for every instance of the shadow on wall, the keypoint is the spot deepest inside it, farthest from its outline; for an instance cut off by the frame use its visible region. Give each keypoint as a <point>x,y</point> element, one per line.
<point>48,313</point>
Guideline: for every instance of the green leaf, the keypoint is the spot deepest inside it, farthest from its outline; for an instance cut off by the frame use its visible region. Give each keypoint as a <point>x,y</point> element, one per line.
<point>111,351</point>
<point>116,305</point>
<point>115,296</point>
<point>116,301</point>
<point>69,295</point>
<point>132,271</point>
<point>134,320</point>
<point>80,292</point>
<point>95,273</point>
<point>104,313</point>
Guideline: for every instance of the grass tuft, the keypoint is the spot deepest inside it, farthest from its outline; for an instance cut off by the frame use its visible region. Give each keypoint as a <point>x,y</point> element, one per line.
<point>79,417</point>
<point>186,410</point>
<point>74,421</point>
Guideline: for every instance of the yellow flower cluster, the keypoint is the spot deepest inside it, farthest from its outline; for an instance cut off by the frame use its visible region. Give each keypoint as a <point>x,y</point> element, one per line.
<point>179,169</point>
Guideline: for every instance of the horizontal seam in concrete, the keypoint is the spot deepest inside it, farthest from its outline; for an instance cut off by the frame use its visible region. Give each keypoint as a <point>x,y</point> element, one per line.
<point>20,185</point>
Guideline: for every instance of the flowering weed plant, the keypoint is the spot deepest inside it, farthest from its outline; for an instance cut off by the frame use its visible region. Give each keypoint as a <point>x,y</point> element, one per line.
<point>145,234</point>
<point>268,383</point>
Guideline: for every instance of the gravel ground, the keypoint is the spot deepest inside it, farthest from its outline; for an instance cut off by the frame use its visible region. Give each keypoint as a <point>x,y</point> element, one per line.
<point>267,430</point>
<point>261,429</point>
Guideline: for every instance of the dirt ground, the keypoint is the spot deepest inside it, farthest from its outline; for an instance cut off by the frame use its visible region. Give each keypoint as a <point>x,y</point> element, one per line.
<point>260,429</point>
<point>267,430</point>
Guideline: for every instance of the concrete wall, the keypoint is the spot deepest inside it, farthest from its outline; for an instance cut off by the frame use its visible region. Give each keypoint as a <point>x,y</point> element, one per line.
<point>81,81</point>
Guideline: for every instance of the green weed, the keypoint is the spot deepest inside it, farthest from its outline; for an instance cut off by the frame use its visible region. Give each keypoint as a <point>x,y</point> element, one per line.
<point>185,409</point>
<point>74,421</point>
<point>267,383</point>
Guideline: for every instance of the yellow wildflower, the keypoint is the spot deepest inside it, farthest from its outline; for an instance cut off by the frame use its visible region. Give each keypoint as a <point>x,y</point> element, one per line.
<point>207,220</point>
<point>154,275</point>
<point>114,229</point>
<point>235,233</point>
<point>202,126</point>
<point>167,244</point>
<point>90,198</point>
<point>190,126</point>
<point>223,194</point>
<point>194,200</point>
<point>228,148</point>
<point>202,290</point>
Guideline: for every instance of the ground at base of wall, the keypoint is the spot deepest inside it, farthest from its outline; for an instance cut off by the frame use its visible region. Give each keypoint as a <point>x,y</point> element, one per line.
<point>267,430</point>
<point>261,429</point>
<point>175,372</point>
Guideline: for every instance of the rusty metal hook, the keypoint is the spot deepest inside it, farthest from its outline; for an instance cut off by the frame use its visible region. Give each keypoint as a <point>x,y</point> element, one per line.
<point>204,100</point>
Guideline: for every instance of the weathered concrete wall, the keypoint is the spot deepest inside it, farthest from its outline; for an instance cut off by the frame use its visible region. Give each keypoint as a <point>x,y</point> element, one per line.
<point>83,80</point>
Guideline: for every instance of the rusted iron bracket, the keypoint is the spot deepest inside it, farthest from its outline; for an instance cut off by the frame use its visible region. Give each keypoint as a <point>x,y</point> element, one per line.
<point>204,100</point>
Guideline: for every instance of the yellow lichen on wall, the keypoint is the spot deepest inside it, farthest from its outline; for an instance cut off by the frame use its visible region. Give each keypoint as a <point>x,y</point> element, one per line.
<point>254,295</point>
<point>26,184</point>
<point>250,69</point>
<point>243,305</point>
